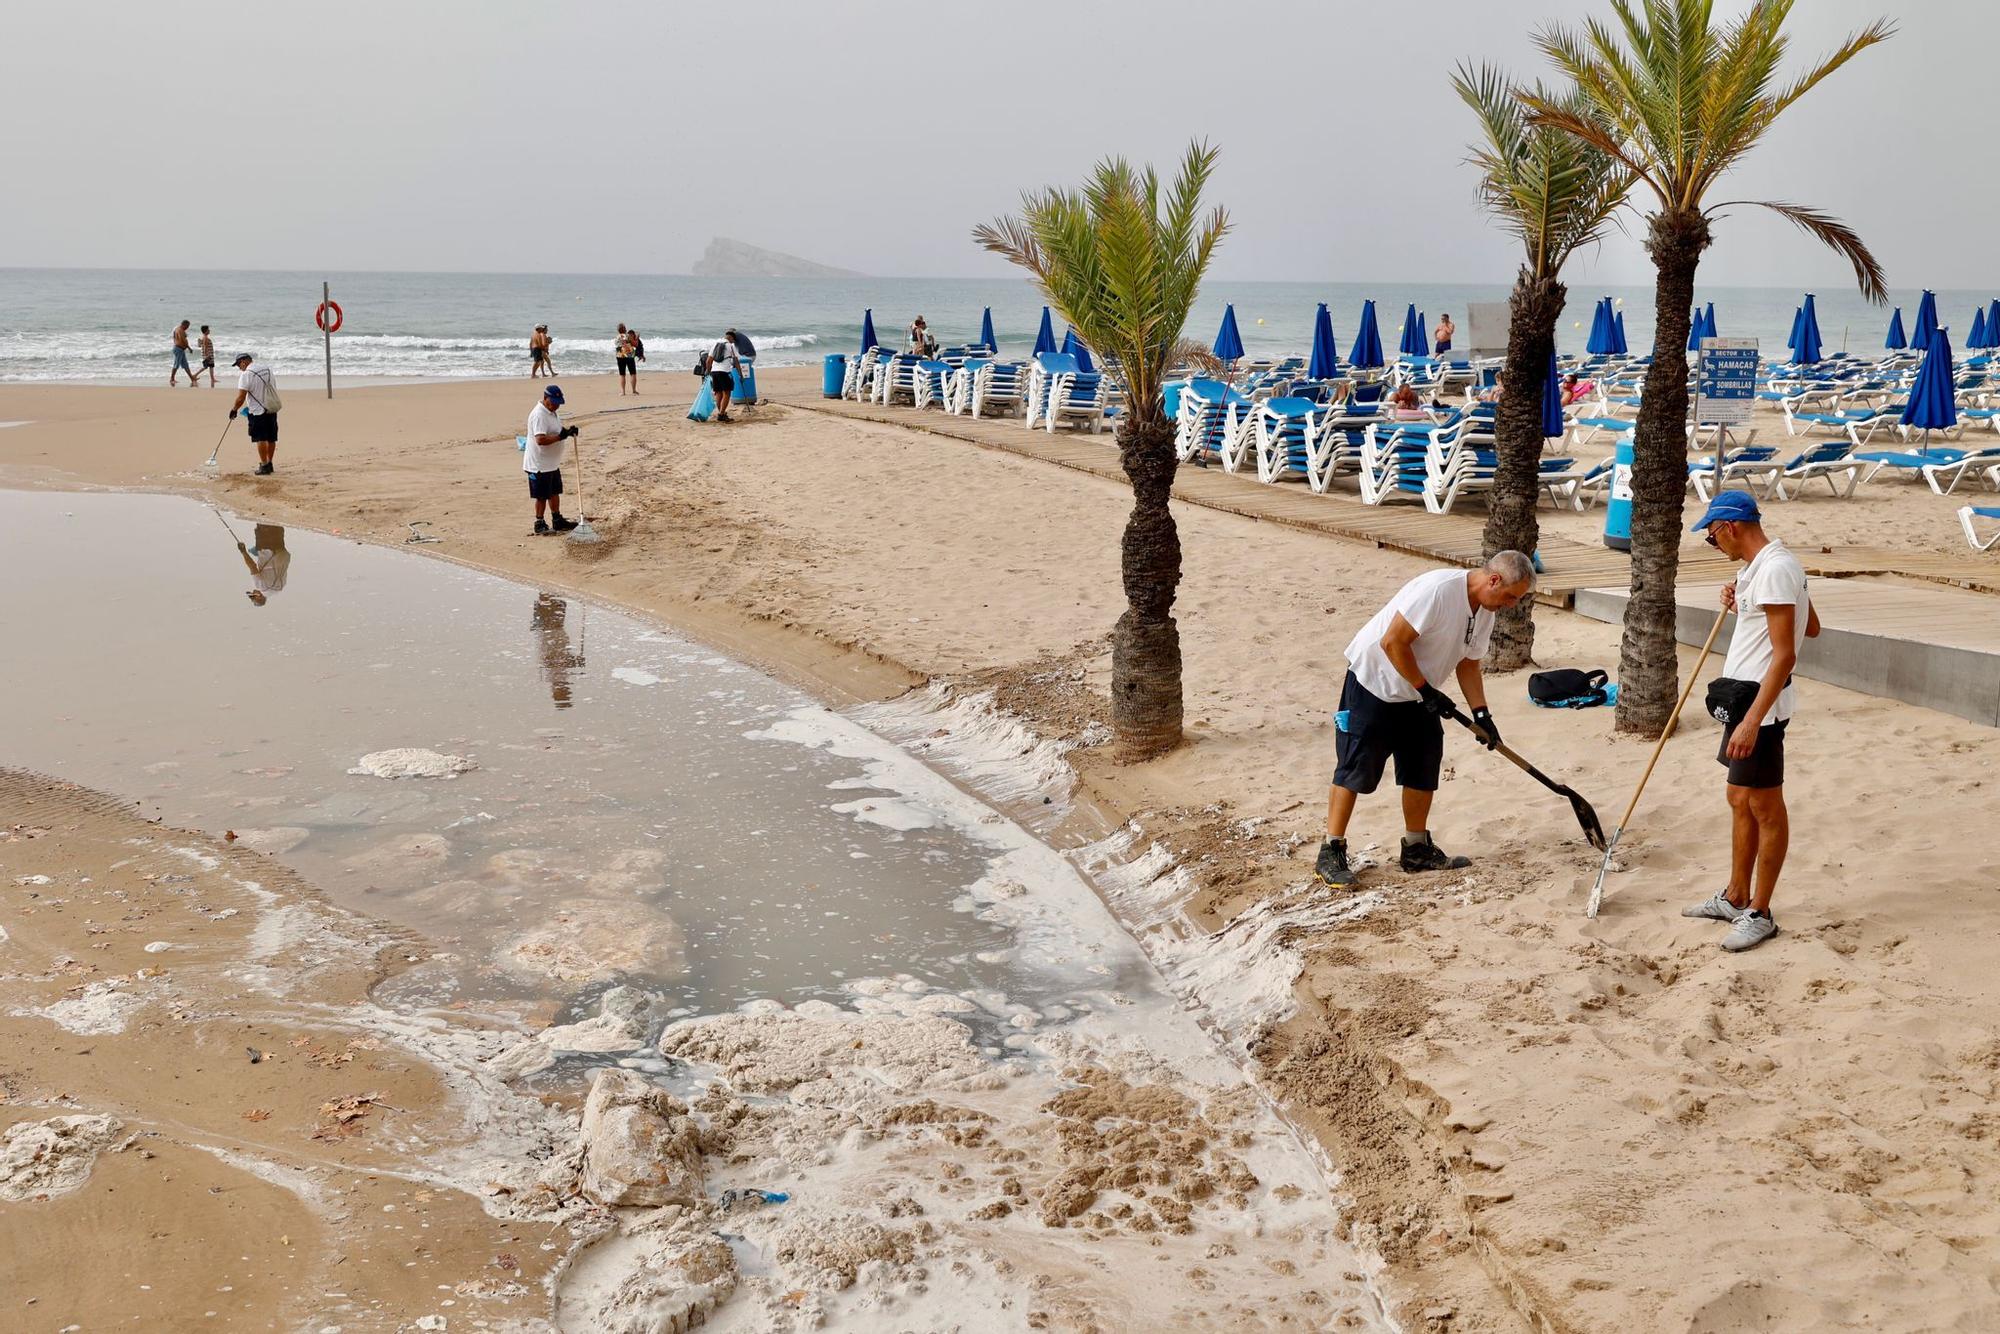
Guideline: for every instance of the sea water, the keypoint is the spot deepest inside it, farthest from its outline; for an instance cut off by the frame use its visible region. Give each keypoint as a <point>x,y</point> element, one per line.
<point>100,324</point>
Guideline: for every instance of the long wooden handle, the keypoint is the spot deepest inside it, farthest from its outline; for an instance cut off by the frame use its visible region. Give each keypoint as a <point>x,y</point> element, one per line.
<point>1668,730</point>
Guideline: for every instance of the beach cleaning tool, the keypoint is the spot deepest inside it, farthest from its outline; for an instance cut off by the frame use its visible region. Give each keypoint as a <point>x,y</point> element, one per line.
<point>1586,815</point>
<point>216,453</point>
<point>583,532</point>
<point>1597,890</point>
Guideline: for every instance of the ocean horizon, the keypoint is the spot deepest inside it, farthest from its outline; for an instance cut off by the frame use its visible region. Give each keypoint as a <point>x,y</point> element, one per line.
<point>81,325</point>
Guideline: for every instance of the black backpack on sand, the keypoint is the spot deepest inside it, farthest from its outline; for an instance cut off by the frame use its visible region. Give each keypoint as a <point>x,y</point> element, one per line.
<point>1566,687</point>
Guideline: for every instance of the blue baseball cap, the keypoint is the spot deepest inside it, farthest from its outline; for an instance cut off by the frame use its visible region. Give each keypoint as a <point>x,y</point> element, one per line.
<point>1729,507</point>
<point>553,395</point>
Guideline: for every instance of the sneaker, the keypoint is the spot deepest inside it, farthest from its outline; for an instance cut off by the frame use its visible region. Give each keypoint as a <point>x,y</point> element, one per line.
<point>1750,930</point>
<point>1332,868</point>
<point>1716,906</point>
<point>562,525</point>
<point>1423,855</point>
<point>542,529</point>
<point>265,469</point>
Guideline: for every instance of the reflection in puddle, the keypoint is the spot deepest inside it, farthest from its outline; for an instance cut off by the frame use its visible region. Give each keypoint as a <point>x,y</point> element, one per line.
<point>558,662</point>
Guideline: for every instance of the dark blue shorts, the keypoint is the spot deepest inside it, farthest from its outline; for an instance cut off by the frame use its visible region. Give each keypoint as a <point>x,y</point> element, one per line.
<point>545,485</point>
<point>1378,730</point>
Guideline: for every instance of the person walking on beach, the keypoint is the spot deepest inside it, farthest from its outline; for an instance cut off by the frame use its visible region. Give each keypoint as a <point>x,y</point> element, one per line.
<point>207,357</point>
<point>623,350</point>
<point>1445,329</point>
<point>1438,624</point>
<point>181,356</point>
<point>1753,699</point>
<point>538,352</point>
<point>269,562</point>
<point>542,461</point>
<point>722,363</point>
<point>257,397</point>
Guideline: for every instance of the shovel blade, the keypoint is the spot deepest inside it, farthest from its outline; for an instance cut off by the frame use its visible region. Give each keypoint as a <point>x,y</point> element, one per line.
<point>1586,815</point>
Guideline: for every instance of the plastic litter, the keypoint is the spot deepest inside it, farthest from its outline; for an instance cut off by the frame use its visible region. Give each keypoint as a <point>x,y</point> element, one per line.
<point>750,1195</point>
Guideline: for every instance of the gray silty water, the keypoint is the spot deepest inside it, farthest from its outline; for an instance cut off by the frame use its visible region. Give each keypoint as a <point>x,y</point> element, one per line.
<point>644,803</point>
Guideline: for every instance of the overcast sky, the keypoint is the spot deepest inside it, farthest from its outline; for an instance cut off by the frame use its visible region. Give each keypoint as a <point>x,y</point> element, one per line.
<point>588,137</point>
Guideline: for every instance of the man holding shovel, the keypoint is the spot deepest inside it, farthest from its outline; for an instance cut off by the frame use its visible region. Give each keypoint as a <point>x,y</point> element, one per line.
<point>1390,706</point>
<point>1753,700</point>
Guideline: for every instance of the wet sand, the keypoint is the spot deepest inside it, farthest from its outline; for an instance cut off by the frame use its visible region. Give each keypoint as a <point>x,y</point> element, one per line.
<point>1589,1124</point>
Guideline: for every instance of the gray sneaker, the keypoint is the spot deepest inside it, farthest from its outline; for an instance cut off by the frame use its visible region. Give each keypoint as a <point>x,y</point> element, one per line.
<point>1749,931</point>
<point>1717,906</point>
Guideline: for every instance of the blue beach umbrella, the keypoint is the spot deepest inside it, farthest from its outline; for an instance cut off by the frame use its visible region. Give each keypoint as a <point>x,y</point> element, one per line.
<point>1798,318</point>
<point>1806,350</point>
<point>1423,337</point>
<point>1896,341</point>
<point>1045,337</point>
<point>1697,330</point>
<point>1618,334</point>
<point>867,329</point>
<point>1601,342</point>
<point>1072,346</point>
<point>1927,322</point>
<point>1406,341</point>
<point>1932,405</point>
<point>1978,338</point>
<point>1552,401</point>
<point>1228,346</point>
<point>1366,354</point>
<point>1708,322</point>
<point>1325,363</point>
<point>986,338</point>
<point>1993,324</point>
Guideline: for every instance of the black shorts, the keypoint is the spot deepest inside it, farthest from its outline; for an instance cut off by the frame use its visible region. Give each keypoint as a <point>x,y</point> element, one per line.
<point>1378,729</point>
<point>263,427</point>
<point>208,363</point>
<point>628,366</point>
<point>1765,765</point>
<point>545,485</point>
<point>722,382</point>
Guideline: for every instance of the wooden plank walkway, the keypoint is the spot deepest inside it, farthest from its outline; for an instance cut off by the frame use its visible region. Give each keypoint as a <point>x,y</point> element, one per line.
<point>1452,538</point>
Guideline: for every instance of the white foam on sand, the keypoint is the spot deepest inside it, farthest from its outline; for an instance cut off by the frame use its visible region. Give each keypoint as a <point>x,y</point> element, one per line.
<point>101,1007</point>
<point>634,676</point>
<point>411,762</point>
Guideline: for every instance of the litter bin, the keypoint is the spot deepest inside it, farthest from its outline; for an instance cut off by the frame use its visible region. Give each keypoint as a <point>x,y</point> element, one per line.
<point>833,374</point>
<point>1618,510</point>
<point>746,382</point>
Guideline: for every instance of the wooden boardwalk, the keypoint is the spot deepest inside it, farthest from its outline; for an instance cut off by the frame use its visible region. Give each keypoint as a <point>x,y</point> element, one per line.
<point>1452,538</point>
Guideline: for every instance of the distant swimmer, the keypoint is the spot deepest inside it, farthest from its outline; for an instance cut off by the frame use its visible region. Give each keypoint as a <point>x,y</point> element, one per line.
<point>257,398</point>
<point>269,562</point>
<point>181,355</point>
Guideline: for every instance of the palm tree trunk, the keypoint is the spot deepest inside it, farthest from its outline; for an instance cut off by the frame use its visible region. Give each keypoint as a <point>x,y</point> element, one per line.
<point>1511,523</point>
<point>1648,668</point>
<point>1146,707</point>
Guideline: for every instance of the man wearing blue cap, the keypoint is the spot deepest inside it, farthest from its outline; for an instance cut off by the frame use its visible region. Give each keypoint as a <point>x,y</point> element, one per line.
<point>542,461</point>
<point>1753,700</point>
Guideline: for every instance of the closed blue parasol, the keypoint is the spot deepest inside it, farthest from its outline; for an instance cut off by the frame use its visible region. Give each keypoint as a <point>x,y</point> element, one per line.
<point>1228,346</point>
<point>1552,400</point>
<point>1325,362</point>
<point>1045,337</point>
<point>1798,319</point>
<point>1072,346</point>
<point>1423,337</point>
<point>1993,324</point>
<point>1406,341</point>
<point>1978,338</point>
<point>1708,322</point>
<point>1601,342</point>
<point>1806,351</point>
<point>1618,346</point>
<point>867,330</point>
<point>1932,405</point>
<point>1366,354</point>
<point>986,338</point>
<point>1697,330</point>
<point>1926,323</point>
<point>1896,341</point>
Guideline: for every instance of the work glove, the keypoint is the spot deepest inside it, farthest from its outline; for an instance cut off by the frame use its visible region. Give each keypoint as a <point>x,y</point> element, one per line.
<point>232,414</point>
<point>569,432</point>
<point>1484,719</point>
<point>1437,702</point>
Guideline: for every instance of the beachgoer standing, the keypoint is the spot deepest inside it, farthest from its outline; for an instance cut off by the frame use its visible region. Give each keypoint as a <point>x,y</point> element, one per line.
<point>542,461</point>
<point>269,562</point>
<point>1754,699</point>
<point>722,362</point>
<point>1390,706</point>
<point>1445,329</point>
<point>181,356</point>
<point>627,358</point>
<point>638,352</point>
<point>207,357</point>
<point>257,398</point>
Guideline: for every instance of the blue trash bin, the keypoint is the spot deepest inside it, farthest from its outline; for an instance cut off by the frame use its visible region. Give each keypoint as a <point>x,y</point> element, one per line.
<point>833,374</point>
<point>746,382</point>
<point>1618,510</point>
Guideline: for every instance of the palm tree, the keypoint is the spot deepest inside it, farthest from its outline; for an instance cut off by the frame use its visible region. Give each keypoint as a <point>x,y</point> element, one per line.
<point>1679,102</point>
<point>1557,193</point>
<point>1121,259</point>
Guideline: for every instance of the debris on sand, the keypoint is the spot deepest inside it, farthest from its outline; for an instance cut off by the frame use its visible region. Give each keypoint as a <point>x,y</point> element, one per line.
<point>39,1159</point>
<point>411,762</point>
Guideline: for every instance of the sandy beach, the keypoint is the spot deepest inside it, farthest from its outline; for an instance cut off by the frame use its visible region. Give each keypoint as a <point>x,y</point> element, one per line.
<point>1538,1120</point>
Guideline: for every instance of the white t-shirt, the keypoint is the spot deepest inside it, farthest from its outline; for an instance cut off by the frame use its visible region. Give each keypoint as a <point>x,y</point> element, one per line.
<point>542,458</point>
<point>1449,630</point>
<point>1773,578</point>
<point>272,567</point>
<point>255,382</point>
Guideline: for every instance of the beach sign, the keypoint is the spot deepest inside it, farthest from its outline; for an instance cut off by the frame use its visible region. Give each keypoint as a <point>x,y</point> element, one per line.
<point>1726,381</point>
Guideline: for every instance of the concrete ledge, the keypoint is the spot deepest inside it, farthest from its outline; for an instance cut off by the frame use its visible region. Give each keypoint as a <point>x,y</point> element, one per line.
<point>1952,678</point>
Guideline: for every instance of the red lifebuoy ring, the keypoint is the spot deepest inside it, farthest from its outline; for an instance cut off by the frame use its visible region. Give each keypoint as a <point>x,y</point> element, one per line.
<point>319,316</point>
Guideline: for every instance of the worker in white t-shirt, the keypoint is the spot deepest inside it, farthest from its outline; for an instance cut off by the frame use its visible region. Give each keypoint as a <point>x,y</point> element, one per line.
<point>1753,700</point>
<point>1437,626</point>
<point>541,459</point>
<point>269,562</point>
<point>257,398</point>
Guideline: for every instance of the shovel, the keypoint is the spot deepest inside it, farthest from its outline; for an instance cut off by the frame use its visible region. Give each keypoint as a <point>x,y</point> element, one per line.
<point>1597,890</point>
<point>1586,816</point>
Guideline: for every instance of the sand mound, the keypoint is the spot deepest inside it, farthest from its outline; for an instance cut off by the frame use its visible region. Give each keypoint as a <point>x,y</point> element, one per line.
<point>53,1157</point>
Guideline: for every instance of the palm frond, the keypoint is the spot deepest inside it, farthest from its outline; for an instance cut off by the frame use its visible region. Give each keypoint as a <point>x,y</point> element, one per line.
<point>1835,235</point>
